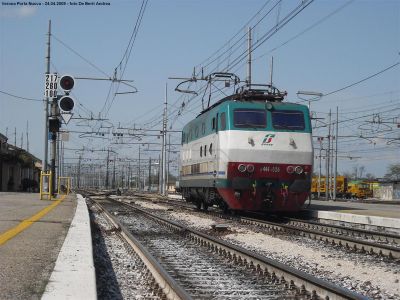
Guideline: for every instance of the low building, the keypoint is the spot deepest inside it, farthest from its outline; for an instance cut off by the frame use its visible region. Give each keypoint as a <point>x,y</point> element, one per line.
<point>388,190</point>
<point>19,169</point>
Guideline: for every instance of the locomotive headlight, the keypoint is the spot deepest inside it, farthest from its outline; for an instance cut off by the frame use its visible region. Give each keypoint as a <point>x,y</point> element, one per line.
<point>242,168</point>
<point>298,170</point>
<point>290,169</point>
<point>250,168</point>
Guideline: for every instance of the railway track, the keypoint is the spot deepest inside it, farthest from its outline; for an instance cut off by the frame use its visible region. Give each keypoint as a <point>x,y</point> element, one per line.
<point>365,241</point>
<point>187,264</point>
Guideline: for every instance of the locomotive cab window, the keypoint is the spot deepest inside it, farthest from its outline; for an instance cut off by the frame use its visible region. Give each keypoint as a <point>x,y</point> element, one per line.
<point>250,118</point>
<point>288,119</point>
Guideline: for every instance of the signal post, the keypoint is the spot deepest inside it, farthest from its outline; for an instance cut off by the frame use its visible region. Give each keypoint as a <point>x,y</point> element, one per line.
<point>60,106</point>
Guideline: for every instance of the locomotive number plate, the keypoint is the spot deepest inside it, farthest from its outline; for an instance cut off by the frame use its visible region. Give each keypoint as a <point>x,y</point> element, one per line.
<point>272,169</point>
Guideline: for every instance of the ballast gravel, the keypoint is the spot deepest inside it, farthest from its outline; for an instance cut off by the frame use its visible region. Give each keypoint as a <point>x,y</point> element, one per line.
<point>371,276</point>
<point>119,272</point>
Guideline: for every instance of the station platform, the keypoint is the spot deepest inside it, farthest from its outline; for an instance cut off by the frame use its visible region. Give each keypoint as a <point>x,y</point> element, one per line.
<point>369,214</point>
<point>34,239</point>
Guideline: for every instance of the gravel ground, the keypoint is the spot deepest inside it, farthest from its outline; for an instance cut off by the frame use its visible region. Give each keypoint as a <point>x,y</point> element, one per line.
<point>377,278</point>
<point>119,271</point>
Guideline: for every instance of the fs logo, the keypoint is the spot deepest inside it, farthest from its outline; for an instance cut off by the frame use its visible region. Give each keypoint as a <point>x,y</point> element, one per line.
<point>268,139</point>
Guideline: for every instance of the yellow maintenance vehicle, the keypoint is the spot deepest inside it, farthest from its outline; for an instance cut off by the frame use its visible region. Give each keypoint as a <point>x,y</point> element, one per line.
<point>344,188</point>
<point>359,189</point>
<point>341,186</point>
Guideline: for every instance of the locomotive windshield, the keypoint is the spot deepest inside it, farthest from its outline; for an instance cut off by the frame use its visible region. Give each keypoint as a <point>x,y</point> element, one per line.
<point>288,119</point>
<point>250,118</point>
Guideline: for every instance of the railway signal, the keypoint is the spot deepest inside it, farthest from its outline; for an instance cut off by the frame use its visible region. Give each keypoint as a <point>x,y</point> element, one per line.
<point>67,83</point>
<point>66,103</point>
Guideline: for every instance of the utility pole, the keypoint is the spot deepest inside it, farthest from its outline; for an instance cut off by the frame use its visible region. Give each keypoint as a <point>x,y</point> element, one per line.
<point>149,189</point>
<point>320,165</point>
<point>129,175</point>
<point>27,136</point>
<point>113,180</point>
<point>46,106</point>
<point>271,71</point>
<point>159,174</point>
<point>249,58</point>
<point>107,165</point>
<point>58,157</point>
<point>54,113</point>
<point>336,149</point>
<point>164,148</point>
<point>62,158</point>
<point>140,185</point>
<point>79,171</point>
<point>169,154</point>
<point>327,179</point>
<point>15,136</point>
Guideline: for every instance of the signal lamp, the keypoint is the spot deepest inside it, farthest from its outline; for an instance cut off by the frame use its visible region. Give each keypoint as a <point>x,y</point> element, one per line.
<point>66,103</point>
<point>67,82</point>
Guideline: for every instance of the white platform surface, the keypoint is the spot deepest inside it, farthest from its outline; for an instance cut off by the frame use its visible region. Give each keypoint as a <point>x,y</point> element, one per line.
<point>74,275</point>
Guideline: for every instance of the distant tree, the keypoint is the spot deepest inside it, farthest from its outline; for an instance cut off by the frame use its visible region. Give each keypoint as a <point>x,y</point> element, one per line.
<point>361,170</point>
<point>393,172</point>
<point>370,176</point>
<point>358,172</point>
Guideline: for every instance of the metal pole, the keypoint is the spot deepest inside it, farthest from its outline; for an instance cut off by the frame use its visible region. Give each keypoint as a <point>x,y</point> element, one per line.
<point>320,165</point>
<point>113,179</point>
<point>164,148</point>
<point>149,189</point>
<point>46,106</point>
<point>107,165</point>
<point>129,175</point>
<point>271,70</point>
<point>58,157</point>
<point>159,174</point>
<point>249,58</point>
<point>140,185</point>
<point>336,148</point>
<point>169,154</point>
<point>327,179</point>
<point>79,172</point>
<point>54,113</point>
<point>62,158</point>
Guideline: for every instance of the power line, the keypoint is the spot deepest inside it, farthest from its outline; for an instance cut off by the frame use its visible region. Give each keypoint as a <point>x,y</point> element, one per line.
<point>312,26</point>
<point>362,80</point>
<point>20,97</point>
<point>79,55</point>
<point>127,54</point>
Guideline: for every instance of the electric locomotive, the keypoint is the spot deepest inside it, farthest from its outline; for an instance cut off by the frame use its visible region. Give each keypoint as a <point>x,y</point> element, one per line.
<point>249,151</point>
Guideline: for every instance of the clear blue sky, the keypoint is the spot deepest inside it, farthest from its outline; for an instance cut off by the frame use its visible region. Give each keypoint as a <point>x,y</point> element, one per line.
<point>359,40</point>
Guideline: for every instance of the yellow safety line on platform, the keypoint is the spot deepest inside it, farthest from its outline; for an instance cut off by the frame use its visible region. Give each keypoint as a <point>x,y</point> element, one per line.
<point>28,222</point>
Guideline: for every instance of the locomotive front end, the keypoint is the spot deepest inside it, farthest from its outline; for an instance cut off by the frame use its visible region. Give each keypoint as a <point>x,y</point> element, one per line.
<point>268,155</point>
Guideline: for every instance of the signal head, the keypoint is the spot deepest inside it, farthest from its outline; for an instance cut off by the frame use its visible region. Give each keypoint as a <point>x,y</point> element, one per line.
<point>66,103</point>
<point>67,82</point>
